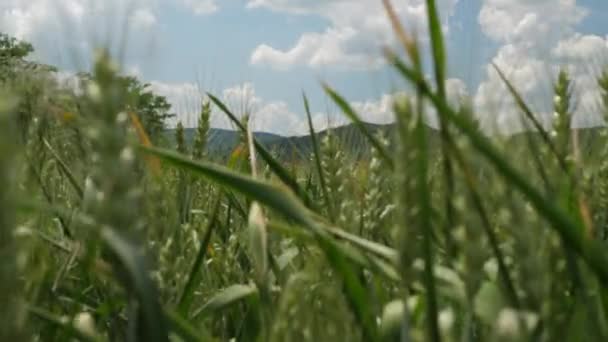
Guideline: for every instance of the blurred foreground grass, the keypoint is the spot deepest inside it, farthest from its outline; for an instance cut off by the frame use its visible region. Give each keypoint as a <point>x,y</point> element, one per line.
<point>109,233</point>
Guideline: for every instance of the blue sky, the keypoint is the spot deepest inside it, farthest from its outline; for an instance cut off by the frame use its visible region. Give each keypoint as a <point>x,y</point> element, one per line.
<point>260,55</point>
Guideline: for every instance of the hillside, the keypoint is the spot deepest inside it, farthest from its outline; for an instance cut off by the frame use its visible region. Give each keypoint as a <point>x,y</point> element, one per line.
<point>222,141</point>
<point>297,148</point>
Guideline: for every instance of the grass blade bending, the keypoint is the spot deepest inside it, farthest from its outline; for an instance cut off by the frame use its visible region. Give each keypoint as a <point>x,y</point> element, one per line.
<point>439,59</point>
<point>425,222</point>
<point>133,272</point>
<point>226,298</point>
<point>283,174</point>
<point>438,46</point>
<point>317,154</point>
<point>259,190</point>
<point>528,112</point>
<point>186,298</point>
<point>408,42</point>
<point>288,205</point>
<point>65,169</point>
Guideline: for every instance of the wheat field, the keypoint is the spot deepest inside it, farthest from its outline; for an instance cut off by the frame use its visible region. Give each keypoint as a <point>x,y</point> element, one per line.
<point>114,228</point>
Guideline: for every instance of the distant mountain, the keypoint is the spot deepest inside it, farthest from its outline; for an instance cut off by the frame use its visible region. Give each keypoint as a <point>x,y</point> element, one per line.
<point>349,137</point>
<point>222,142</point>
<point>591,141</point>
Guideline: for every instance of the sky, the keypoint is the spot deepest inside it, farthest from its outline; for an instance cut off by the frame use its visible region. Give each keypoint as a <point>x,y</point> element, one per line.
<point>261,55</point>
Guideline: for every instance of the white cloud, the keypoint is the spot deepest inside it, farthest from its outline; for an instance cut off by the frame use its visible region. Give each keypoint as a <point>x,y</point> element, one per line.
<point>24,18</point>
<point>537,39</point>
<point>267,116</point>
<point>320,49</point>
<point>532,21</point>
<point>20,18</point>
<point>376,111</point>
<point>69,28</point>
<point>200,7</point>
<point>143,19</point>
<point>133,70</point>
<point>585,57</point>
<point>357,30</point>
<point>72,28</point>
<point>582,48</point>
<point>276,116</point>
<point>496,108</point>
<point>380,110</point>
<point>243,97</point>
<point>185,99</point>
<point>456,91</point>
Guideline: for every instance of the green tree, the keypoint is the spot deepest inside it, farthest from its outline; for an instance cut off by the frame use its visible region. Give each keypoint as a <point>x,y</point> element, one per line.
<point>13,54</point>
<point>152,109</point>
<point>13,49</point>
<point>29,81</point>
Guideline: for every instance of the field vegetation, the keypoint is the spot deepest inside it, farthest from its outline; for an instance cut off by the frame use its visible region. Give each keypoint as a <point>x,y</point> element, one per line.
<point>113,229</point>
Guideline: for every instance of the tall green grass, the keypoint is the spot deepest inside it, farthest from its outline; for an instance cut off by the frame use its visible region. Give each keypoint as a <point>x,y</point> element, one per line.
<point>447,235</point>
<point>11,296</point>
